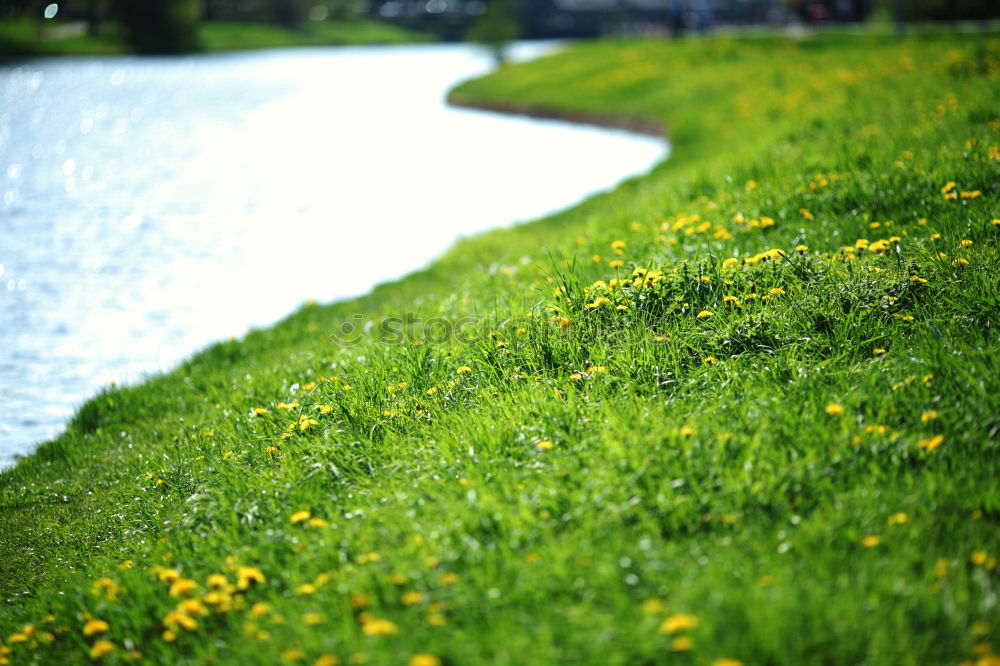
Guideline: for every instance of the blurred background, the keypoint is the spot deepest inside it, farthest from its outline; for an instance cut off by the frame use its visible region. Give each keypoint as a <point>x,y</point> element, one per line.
<point>179,26</point>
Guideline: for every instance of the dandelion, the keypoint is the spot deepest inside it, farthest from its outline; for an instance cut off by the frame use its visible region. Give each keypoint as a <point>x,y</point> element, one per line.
<point>248,575</point>
<point>596,369</point>
<point>101,648</point>
<point>306,589</point>
<point>292,654</point>
<point>834,408</point>
<point>930,443</point>
<point>618,245</point>
<point>312,619</point>
<point>449,578</point>
<point>182,586</point>
<point>379,627</point>
<point>978,558</point>
<point>653,607</point>
<point>806,214</point>
<point>317,522</point>
<point>682,644</point>
<point>710,360</point>
<point>464,370</point>
<point>704,314</point>
<point>424,660</point>
<point>878,351</point>
<point>966,243</point>
<point>725,661</point>
<point>678,622</point>
<point>545,444</point>
<point>300,516</point>
<point>95,626</point>
<point>871,541</point>
<point>259,411</point>
<point>686,431</point>
<point>259,608</point>
<point>929,415</point>
<point>437,620</point>
<point>729,262</point>
<point>326,660</point>
<point>960,262</point>
<point>411,598</point>
<point>616,263</point>
<point>898,518</point>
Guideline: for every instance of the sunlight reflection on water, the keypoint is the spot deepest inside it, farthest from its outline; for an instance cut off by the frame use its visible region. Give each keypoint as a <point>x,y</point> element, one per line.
<point>151,206</point>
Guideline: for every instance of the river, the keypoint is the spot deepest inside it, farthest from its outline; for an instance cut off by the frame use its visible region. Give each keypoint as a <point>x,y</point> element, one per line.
<point>149,206</point>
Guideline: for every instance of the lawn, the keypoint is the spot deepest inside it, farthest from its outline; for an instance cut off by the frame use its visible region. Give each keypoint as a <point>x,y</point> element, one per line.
<point>27,38</point>
<point>743,409</point>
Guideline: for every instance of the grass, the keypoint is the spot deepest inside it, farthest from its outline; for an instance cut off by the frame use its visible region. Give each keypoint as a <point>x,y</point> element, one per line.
<point>24,38</point>
<point>742,409</point>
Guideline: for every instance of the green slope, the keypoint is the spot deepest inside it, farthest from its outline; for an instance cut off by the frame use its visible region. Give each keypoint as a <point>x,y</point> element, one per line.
<point>743,408</point>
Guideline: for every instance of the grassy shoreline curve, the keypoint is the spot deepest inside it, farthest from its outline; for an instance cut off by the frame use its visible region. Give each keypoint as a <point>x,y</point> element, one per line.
<point>741,410</point>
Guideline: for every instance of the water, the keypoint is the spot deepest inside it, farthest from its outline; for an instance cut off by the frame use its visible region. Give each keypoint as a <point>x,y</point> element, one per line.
<point>149,206</point>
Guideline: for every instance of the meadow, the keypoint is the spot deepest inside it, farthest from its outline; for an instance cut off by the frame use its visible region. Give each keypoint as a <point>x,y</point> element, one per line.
<point>741,410</point>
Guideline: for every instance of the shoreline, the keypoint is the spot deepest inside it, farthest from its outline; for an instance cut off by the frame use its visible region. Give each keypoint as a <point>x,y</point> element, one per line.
<point>629,123</point>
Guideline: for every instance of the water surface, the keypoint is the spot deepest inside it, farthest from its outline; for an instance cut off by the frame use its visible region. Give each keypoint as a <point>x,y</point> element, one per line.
<point>149,206</point>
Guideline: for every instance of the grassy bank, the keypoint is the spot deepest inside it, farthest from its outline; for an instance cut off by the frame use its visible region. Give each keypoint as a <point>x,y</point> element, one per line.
<point>29,38</point>
<point>743,409</point>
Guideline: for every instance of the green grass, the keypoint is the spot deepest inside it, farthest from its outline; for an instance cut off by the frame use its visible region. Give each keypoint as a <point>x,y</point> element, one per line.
<point>24,38</point>
<point>576,482</point>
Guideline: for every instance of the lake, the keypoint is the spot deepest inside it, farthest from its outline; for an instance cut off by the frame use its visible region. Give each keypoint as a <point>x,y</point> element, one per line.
<point>150,206</point>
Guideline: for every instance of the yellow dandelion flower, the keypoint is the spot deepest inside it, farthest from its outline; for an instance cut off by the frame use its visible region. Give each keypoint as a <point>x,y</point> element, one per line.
<point>306,589</point>
<point>326,660</point>
<point>930,443</point>
<point>777,291</point>
<point>618,245</point>
<point>379,627</point>
<point>101,648</point>
<point>247,575</point>
<point>929,415</point>
<point>878,351</point>
<point>301,516</point>
<point>449,578</point>
<point>424,660</point>
<point>259,411</point>
<point>678,622</point>
<point>616,263</point>
<point>806,214</point>
<point>704,314</point>
<point>259,608</point>
<point>182,586</point>
<point>576,377</point>
<point>686,431</point>
<point>898,518</point>
<point>359,601</point>
<point>317,522</point>
<point>726,661</point>
<point>834,408</point>
<point>871,541</point>
<point>292,654</point>
<point>127,564</point>
<point>710,360</point>
<point>545,444</point>
<point>653,607</point>
<point>464,370</point>
<point>312,618</point>
<point>437,620</point>
<point>95,626</point>
<point>411,597</point>
<point>682,644</point>
<point>169,636</point>
<point>978,558</point>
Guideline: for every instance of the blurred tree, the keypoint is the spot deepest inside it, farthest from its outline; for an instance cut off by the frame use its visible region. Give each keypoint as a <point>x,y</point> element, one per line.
<point>291,13</point>
<point>496,28</point>
<point>160,26</point>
